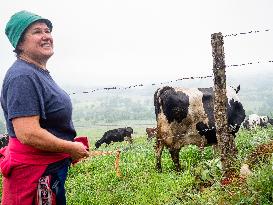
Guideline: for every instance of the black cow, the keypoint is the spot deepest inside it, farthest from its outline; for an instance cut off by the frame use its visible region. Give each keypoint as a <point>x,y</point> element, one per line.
<point>4,140</point>
<point>185,116</point>
<point>115,135</point>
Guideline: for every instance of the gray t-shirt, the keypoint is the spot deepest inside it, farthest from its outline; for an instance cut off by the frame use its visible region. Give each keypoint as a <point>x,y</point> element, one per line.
<point>27,91</point>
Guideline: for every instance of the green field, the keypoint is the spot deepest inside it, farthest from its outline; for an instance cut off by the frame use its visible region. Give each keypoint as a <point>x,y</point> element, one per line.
<point>95,181</point>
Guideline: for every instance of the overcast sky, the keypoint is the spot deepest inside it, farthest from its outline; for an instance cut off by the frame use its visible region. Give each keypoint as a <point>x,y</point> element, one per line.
<point>123,42</point>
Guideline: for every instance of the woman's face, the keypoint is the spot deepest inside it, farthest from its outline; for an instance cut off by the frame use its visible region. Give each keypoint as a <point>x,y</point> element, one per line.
<point>37,42</point>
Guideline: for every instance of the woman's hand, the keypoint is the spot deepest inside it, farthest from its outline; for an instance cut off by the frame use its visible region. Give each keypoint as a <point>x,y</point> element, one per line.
<point>78,151</point>
<point>29,132</point>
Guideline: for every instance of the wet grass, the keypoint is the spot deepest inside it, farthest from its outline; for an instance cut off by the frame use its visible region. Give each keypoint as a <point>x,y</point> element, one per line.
<point>95,181</point>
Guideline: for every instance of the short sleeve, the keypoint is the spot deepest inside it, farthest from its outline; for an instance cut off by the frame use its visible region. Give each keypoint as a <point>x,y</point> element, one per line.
<point>24,97</point>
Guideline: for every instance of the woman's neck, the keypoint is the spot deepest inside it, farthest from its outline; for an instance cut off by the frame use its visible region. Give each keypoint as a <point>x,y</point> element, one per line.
<point>31,61</point>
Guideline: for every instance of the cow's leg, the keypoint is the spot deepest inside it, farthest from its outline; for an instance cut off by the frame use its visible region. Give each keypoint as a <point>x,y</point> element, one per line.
<point>158,151</point>
<point>175,157</point>
<point>130,140</point>
<point>149,138</point>
<point>215,149</point>
<point>202,146</point>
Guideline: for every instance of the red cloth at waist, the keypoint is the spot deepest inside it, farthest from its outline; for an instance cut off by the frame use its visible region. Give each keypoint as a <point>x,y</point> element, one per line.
<point>30,155</point>
<point>22,166</point>
<point>18,153</point>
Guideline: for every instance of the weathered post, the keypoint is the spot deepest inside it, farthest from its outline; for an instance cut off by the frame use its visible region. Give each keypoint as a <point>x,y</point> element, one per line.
<point>225,140</point>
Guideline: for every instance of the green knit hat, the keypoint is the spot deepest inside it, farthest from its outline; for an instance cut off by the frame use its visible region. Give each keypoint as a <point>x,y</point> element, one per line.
<point>18,24</point>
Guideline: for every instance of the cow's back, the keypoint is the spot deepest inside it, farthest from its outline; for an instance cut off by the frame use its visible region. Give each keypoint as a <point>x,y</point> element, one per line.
<point>185,115</point>
<point>178,110</point>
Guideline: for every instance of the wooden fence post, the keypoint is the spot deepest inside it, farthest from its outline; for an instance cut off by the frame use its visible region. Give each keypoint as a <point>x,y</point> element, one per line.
<point>225,140</point>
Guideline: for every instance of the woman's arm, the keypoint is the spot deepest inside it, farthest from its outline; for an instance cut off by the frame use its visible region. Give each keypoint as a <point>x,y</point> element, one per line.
<point>29,132</point>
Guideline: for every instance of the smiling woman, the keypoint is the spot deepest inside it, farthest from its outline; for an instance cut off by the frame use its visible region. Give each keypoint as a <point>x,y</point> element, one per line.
<point>37,44</point>
<point>31,38</point>
<point>38,116</point>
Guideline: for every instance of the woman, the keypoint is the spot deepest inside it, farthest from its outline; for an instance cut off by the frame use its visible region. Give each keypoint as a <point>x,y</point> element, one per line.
<point>38,117</point>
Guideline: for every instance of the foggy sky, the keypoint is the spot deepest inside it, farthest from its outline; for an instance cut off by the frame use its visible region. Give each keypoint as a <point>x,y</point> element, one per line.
<point>122,42</point>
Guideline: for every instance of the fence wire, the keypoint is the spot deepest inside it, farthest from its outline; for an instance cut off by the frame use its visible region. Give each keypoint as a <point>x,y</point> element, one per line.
<point>246,33</point>
<point>184,78</point>
<point>167,82</point>
<point>250,63</point>
<point>141,85</point>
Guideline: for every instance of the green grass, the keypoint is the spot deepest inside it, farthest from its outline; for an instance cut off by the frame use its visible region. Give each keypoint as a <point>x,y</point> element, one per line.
<point>97,182</point>
<point>94,181</point>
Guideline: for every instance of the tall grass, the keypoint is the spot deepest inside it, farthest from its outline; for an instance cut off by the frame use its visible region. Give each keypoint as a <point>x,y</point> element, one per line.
<point>95,182</point>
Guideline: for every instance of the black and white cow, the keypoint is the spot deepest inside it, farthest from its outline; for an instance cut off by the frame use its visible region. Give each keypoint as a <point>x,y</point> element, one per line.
<point>185,116</point>
<point>254,120</point>
<point>115,135</point>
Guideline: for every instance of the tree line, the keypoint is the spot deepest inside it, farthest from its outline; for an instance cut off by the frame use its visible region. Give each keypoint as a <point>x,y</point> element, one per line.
<point>137,104</point>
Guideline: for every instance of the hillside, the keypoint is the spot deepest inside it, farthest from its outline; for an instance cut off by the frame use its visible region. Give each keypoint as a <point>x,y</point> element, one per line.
<point>134,106</point>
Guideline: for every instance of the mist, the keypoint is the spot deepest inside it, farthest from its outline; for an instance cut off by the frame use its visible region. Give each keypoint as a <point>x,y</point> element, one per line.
<point>122,43</point>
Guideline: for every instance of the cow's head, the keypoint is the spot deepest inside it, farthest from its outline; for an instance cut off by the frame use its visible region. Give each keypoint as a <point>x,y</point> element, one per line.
<point>97,144</point>
<point>245,123</point>
<point>129,130</point>
<point>270,121</point>
<point>265,119</point>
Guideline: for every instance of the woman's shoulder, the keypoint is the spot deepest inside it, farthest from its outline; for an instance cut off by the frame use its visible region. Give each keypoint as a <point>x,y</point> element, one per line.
<point>18,70</point>
<point>23,69</point>
<point>20,67</point>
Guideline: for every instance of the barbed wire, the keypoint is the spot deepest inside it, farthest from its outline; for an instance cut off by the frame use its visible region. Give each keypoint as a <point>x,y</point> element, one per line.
<point>141,85</point>
<point>184,78</point>
<point>231,128</point>
<point>168,82</point>
<point>250,63</point>
<point>246,33</point>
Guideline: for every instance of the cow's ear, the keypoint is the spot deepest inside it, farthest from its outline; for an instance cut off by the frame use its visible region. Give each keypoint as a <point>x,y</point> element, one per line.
<point>238,88</point>
<point>129,129</point>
